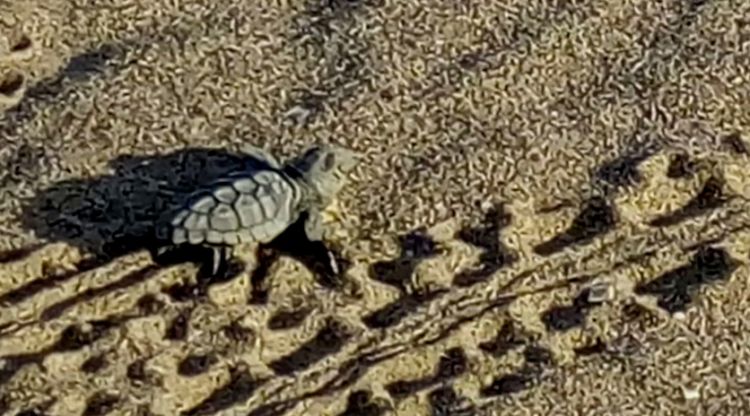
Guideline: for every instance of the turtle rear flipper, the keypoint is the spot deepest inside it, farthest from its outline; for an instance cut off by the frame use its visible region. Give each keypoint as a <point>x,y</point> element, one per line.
<point>219,260</point>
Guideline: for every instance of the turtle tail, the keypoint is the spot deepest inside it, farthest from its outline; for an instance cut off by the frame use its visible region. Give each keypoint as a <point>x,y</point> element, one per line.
<point>160,242</point>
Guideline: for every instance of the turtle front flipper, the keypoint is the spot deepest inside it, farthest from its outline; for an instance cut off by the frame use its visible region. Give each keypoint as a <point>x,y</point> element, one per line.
<point>332,262</point>
<point>314,233</point>
<point>314,225</point>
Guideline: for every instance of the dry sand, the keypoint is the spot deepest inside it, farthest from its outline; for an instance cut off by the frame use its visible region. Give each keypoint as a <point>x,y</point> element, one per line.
<point>518,153</point>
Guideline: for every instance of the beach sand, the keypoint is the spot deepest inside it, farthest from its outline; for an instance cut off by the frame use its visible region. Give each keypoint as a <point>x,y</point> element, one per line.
<point>551,217</point>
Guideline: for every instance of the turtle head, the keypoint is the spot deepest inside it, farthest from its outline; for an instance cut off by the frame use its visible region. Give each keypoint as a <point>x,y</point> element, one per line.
<point>326,168</point>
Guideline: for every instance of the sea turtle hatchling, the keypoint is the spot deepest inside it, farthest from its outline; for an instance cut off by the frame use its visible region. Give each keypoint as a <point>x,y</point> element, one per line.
<point>259,203</point>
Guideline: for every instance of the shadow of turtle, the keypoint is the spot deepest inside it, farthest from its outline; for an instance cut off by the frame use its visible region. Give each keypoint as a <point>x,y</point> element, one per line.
<point>116,214</point>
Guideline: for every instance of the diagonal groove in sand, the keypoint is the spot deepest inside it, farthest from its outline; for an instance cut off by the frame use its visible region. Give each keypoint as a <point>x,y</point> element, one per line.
<point>464,305</point>
<point>132,276</point>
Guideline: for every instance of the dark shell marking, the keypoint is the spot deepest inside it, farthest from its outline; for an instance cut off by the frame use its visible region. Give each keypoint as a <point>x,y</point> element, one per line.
<point>249,208</point>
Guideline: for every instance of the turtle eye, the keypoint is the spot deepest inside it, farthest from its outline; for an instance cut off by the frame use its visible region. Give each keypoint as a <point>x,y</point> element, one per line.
<point>328,162</point>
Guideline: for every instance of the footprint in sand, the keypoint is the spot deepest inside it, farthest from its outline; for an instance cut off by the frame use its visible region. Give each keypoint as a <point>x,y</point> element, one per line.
<point>14,48</point>
<point>18,47</point>
<point>12,87</point>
